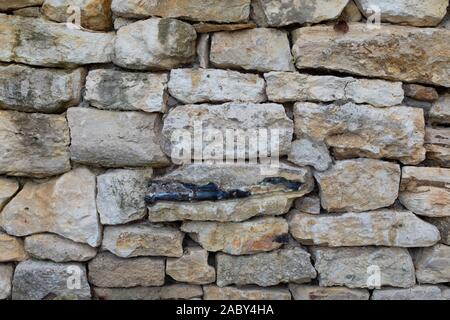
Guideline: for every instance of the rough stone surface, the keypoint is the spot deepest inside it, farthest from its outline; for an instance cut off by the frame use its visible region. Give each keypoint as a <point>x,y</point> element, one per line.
<point>31,12</point>
<point>143,239</point>
<point>11,248</point>
<point>350,266</point>
<point>440,111</point>
<point>308,292</point>
<point>211,85</point>
<point>29,89</point>
<point>433,264</point>
<point>392,52</point>
<point>16,4</point>
<point>168,292</point>
<point>33,144</point>
<point>306,152</point>
<point>260,49</point>
<point>114,139</point>
<point>109,271</point>
<point>414,293</point>
<point>58,249</point>
<point>380,228</point>
<point>245,293</point>
<point>213,27</point>
<point>308,204</point>
<point>437,144</point>
<point>155,44</point>
<point>361,130</point>
<point>252,236</point>
<point>130,91</point>
<point>443,225</point>
<point>8,188</point>
<point>421,93</point>
<point>64,205</point>
<point>426,191</point>
<point>38,280</point>
<point>192,267</point>
<point>351,13</point>
<point>6,276</point>
<point>265,269</point>
<point>358,185</point>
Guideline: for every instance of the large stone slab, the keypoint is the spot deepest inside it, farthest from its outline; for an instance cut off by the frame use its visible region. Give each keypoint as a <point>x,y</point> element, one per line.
<point>361,130</point>
<point>39,280</point>
<point>265,269</point>
<point>380,228</point>
<point>33,144</point>
<point>260,49</point>
<point>212,85</point>
<point>425,191</point>
<point>6,276</point>
<point>192,267</point>
<point>11,248</point>
<point>212,292</point>
<point>168,292</point>
<point>107,270</point>
<point>30,89</point>
<point>194,10</point>
<point>433,264</point>
<point>440,110</point>
<point>291,86</point>
<point>43,43</point>
<point>415,293</point>
<point>237,238</point>
<point>17,4</point>
<point>360,267</point>
<point>143,239</point>
<point>115,139</point>
<point>391,52</point>
<point>8,188</point>
<point>437,144</point>
<point>130,91</point>
<point>64,205</point>
<point>155,44</point>
<point>358,185</point>
<point>311,292</point>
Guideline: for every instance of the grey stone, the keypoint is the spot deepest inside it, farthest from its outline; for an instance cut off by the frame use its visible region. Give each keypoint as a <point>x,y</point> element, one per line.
<point>414,293</point>
<point>433,264</point>
<point>212,292</point>
<point>311,292</point>
<point>167,292</point>
<point>6,276</point>
<point>306,152</point>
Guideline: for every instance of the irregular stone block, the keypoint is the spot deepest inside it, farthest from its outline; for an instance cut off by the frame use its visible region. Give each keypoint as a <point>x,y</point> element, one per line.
<point>48,246</point>
<point>41,280</point>
<point>237,238</point>
<point>351,12</point>
<point>192,267</point>
<point>211,85</point>
<point>308,204</point>
<point>426,191</point>
<point>358,185</point>
<point>115,139</point>
<point>40,42</point>
<point>33,144</point>
<point>414,293</point>
<point>265,269</point>
<point>433,264</point>
<point>11,248</point>
<point>29,89</point>
<point>143,239</point>
<point>155,44</point>
<point>31,12</point>
<point>443,225</point>
<point>309,292</point>
<point>6,276</point>
<point>168,292</point>
<point>354,267</point>
<point>260,49</point>
<point>306,152</point>
<point>292,86</point>
<point>391,52</point>
<point>203,27</point>
<point>421,93</point>
<point>440,110</point>
<point>6,5</point>
<point>437,144</point>
<point>107,270</point>
<point>380,228</point>
<point>120,195</point>
<point>64,205</point>
<point>364,131</point>
<point>8,188</point>
<point>212,292</point>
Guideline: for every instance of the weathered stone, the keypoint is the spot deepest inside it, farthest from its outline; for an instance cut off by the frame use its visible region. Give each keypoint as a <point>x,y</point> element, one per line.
<point>168,292</point>
<point>244,118</point>
<point>33,144</point>
<point>308,204</point>
<point>64,205</point>
<point>292,86</point>
<point>16,4</point>
<point>203,47</point>
<point>426,191</point>
<point>421,93</point>
<point>11,248</point>
<point>351,13</point>
<point>358,185</point>
<point>390,52</point>
<point>414,293</point>
<point>443,225</point>
<point>6,276</point>
<point>120,195</point>
<point>52,247</point>
<point>260,49</point>
<point>309,292</point>
<point>143,239</point>
<point>107,270</point>
<point>440,111</point>
<point>360,130</point>
<point>437,144</point>
<point>265,269</point>
<point>277,13</point>
<point>351,267</point>
<point>155,44</point>
<point>380,228</point>
<point>412,12</point>
<point>8,188</point>
<point>212,292</point>
<point>31,12</point>
<point>115,139</point>
<point>194,10</point>
<point>120,22</point>
<point>129,91</point>
<point>306,152</point>
<point>212,27</point>
<point>29,89</point>
<point>192,267</point>
<point>252,236</point>
<point>433,264</point>
<point>41,280</point>
<point>211,85</point>
<point>43,43</point>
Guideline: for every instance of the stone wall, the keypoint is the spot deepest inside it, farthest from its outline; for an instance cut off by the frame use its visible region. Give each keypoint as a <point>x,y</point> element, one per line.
<point>358,208</point>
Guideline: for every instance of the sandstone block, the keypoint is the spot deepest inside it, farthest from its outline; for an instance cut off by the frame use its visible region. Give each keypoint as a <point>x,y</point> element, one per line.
<point>212,292</point>
<point>168,292</point>
<point>11,248</point>
<point>309,292</point>
<point>192,267</point>
<point>8,188</point>
<point>6,276</point>
<point>437,144</point>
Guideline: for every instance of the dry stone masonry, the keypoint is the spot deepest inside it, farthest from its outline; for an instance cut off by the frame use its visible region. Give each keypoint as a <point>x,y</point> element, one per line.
<point>239,149</point>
